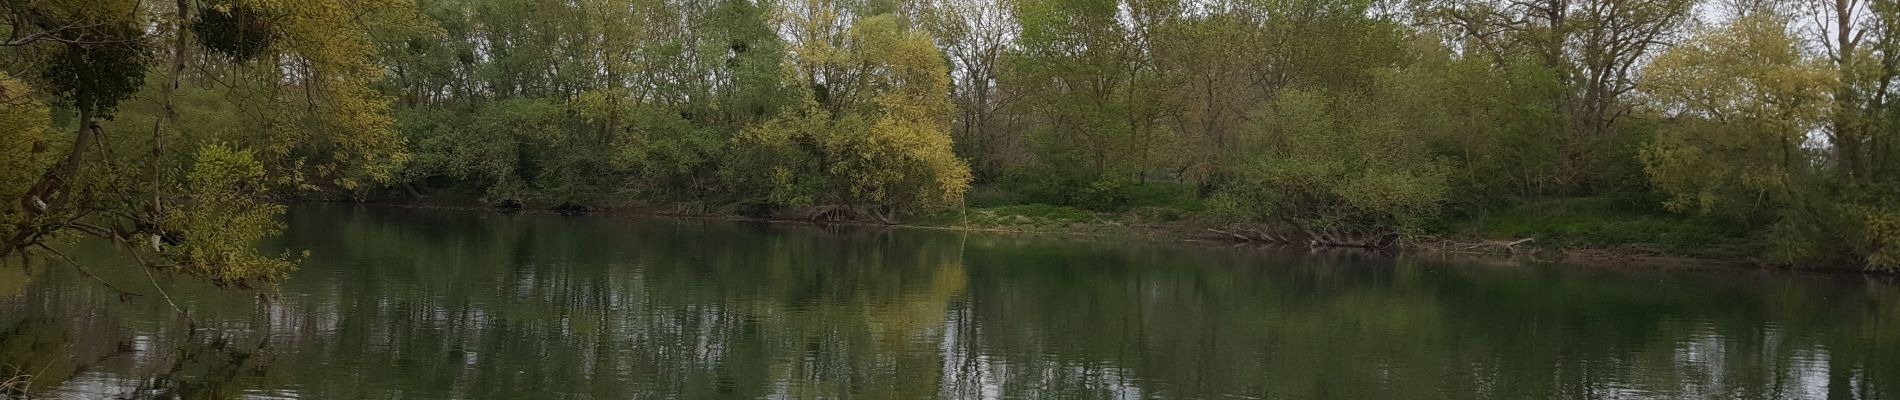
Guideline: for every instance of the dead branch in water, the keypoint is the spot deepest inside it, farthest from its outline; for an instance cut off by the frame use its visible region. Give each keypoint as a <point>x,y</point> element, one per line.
<point>1354,238</point>
<point>1479,246</point>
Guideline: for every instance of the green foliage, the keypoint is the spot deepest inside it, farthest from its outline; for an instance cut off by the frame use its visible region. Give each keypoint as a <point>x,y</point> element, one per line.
<point>236,30</point>
<point>1325,161</point>
<point>1747,101</point>
<point>88,57</point>
<point>602,101</point>
<point>1021,216</point>
<point>1083,75</point>
<point>121,176</point>
<point>25,130</point>
<point>1876,234</point>
<point>1838,232</point>
<point>667,155</point>
<point>95,78</point>
<point>780,158</point>
<point>885,143</point>
<point>1486,118</point>
<point>1605,223</point>
<point>223,216</point>
<point>1073,190</point>
<point>25,135</point>
<point>521,151</point>
<point>1328,115</point>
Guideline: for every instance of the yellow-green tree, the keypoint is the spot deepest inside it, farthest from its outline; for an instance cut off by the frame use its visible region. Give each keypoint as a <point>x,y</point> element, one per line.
<point>345,137</point>
<point>1743,101</point>
<point>25,134</point>
<point>1746,107</point>
<point>286,83</point>
<point>1338,166</point>
<point>873,128</point>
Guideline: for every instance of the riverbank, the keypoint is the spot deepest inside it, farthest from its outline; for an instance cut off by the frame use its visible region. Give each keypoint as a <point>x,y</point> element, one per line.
<point>1572,234</point>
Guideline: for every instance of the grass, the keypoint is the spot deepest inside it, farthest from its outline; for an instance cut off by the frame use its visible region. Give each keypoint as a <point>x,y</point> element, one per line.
<point>1604,223</point>
<point>1065,205</point>
<point>1105,195</point>
<point>1034,216</point>
<point>1177,196</point>
<point>1601,223</point>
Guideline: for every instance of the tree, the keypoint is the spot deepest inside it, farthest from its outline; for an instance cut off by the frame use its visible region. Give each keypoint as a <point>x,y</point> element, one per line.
<point>1746,104</point>
<point>874,124</point>
<point>92,58</point>
<point>1337,167</point>
<point>976,35</point>
<point>1594,49</point>
<point>25,137</point>
<point>1484,117</point>
<point>1093,89</point>
<point>1744,101</point>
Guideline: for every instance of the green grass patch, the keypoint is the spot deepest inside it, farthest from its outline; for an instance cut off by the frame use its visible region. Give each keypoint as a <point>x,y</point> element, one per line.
<point>1600,222</point>
<point>1013,216</point>
<point>1101,195</point>
<point>1177,196</point>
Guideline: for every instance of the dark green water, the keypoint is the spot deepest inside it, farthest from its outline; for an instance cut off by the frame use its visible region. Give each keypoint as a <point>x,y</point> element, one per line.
<point>419,304</point>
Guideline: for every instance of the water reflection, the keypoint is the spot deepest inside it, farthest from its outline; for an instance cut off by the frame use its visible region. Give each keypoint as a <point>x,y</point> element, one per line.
<point>444,304</point>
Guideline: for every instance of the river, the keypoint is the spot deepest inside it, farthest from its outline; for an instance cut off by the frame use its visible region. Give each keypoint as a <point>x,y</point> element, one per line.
<point>433,304</point>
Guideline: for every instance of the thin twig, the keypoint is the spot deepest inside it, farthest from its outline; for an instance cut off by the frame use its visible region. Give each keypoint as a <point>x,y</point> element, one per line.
<point>49,35</point>
<point>147,267</point>
<point>168,298</point>
<point>82,270</point>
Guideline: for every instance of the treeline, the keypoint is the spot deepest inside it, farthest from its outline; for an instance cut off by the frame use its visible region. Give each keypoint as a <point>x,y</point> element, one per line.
<point>1352,121</point>
<point>1345,119</point>
<point>560,103</point>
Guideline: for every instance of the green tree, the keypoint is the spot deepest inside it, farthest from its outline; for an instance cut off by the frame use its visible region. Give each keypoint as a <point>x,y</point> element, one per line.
<point>1746,104</point>
<point>873,128</point>
<point>1092,88</point>
<point>223,216</point>
<point>1485,117</point>
<point>1594,49</point>
<point>113,178</point>
<point>976,36</point>
<point>1338,167</point>
<point>1744,100</point>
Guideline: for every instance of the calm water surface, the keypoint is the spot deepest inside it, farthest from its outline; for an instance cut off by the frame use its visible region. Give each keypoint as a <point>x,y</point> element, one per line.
<point>418,304</point>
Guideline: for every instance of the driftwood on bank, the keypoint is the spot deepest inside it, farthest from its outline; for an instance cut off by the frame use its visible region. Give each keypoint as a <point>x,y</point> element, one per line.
<point>1368,239</point>
<point>846,213</point>
<point>1518,246</point>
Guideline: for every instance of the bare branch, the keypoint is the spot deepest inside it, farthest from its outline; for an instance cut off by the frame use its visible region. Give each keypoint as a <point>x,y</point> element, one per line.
<point>88,273</point>
<point>45,35</point>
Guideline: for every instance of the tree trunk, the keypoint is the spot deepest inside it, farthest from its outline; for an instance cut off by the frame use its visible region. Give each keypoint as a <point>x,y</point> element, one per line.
<point>170,114</point>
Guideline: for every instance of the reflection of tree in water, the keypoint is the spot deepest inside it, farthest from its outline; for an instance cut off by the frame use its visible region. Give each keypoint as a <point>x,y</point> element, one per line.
<point>1176,324</point>
<point>537,305</point>
<point>32,352</point>
<point>13,280</point>
<point>209,365</point>
<point>61,338</point>
<point>41,353</point>
<point>46,336</point>
<point>468,305</point>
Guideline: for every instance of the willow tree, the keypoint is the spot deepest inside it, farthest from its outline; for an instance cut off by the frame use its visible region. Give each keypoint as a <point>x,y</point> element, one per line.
<point>1090,83</point>
<point>1746,104</point>
<point>1336,165</point>
<point>872,129</point>
<point>1744,100</point>
<point>183,195</point>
